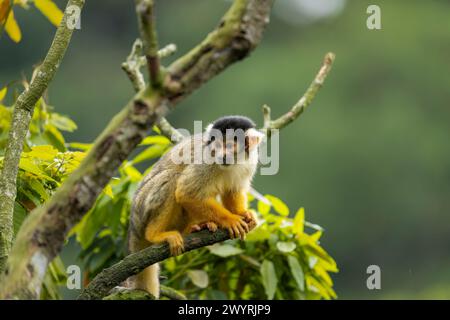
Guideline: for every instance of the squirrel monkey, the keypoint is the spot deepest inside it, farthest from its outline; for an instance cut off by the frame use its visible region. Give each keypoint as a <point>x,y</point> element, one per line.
<point>206,189</point>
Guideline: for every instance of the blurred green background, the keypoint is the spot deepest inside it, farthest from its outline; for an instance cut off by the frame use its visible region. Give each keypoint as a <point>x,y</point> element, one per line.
<point>370,160</point>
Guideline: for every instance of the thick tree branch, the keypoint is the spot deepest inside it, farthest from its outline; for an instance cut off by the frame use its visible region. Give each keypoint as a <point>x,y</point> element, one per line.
<point>22,114</point>
<point>238,33</point>
<point>43,232</point>
<point>101,285</point>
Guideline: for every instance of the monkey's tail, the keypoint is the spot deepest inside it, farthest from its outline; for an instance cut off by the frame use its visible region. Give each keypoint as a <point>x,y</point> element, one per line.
<point>148,280</point>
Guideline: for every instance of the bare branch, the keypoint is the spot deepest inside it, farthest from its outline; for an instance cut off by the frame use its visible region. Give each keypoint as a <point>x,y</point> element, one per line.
<point>146,20</point>
<point>304,101</point>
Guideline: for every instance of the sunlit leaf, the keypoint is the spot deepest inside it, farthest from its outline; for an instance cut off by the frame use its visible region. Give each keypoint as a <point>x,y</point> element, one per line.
<point>316,236</point>
<point>3,92</point>
<point>12,28</point>
<point>299,221</point>
<point>323,274</point>
<point>155,140</point>
<point>45,152</point>
<point>108,191</point>
<point>151,152</point>
<point>132,173</point>
<point>316,286</point>
<point>50,10</point>
<point>29,166</point>
<point>278,205</point>
<point>80,146</point>
<point>263,208</point>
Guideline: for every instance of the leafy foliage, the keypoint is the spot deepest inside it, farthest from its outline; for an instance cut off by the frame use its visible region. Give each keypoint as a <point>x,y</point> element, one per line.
<point>278,260</point>
<point>43,166</point>
<point>47,7</point>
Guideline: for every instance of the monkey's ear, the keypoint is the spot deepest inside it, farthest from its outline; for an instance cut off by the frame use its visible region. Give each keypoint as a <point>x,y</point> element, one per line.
<point>209,136</point>
<point>209,127</point>
<point>258,135</point>
<point>254,138</point>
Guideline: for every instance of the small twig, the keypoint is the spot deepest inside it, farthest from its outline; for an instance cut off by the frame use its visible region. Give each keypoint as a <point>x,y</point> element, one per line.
<point>172,293</point>
<point>146,20</point>
<point>304,101</point>
<point>170,132</point>
<point>132,67</point>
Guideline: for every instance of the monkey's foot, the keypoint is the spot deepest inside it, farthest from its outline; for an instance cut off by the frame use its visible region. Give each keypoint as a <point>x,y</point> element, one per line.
<point>176,243</point>
<point>250,219</point>
<point>235,225</point>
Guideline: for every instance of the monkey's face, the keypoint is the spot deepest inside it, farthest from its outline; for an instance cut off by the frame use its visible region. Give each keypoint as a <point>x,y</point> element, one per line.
<point>235,147</point>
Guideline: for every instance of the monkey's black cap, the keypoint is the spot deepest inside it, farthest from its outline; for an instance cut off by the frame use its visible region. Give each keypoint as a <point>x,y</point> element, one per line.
<point>234,123</point>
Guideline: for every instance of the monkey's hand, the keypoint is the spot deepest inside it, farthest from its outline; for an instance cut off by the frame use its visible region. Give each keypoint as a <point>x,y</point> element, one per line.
<point>235,224</point>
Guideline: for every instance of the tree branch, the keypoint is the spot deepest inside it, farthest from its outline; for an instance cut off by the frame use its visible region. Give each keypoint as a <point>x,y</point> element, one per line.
<point>304,101</point>
<point>22,114</point>
<point>146,21</point>
<point>134,263</point>
<point>43,232</point>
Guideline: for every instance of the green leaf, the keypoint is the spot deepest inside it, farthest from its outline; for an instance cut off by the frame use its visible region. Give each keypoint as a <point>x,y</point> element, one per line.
<point>155,140</point>
<point>263,208</point>
<point>54,137</point>
<point>29,166</point>
<point>297,272</point>
<point>80,146</point>
<point>299,222</point>
<point>62,122</point>
<point>269,278</point>
<point>108,191</point>
<point>199,278</point>
<point>39,188</point>
<point>45,152</point>
<point>286,246</point>
<point>93,221</point>
<point>132,173</point>
<point>224,250</point>
<point>278,205</point>
<point>152,152</point>
<point>258,234</point>
<point>20,213</point>
<point>3,92</point>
